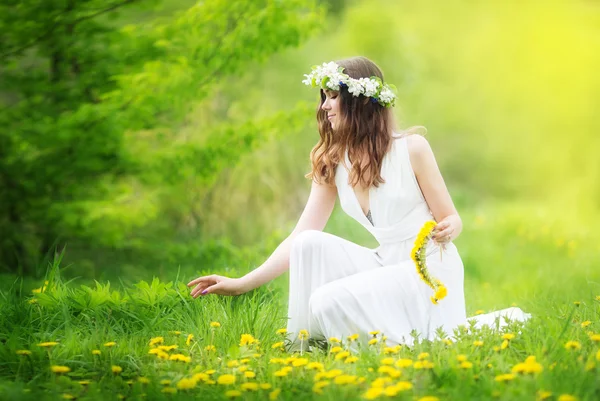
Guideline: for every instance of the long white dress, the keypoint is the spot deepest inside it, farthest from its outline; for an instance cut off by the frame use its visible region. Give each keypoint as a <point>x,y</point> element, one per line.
<point>339,288</point>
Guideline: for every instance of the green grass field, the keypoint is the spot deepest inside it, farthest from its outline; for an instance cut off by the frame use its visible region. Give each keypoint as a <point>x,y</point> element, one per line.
<point>150,340</point>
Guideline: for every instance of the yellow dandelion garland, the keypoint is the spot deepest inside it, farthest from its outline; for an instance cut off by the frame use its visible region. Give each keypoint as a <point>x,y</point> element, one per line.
<point>419,257</point>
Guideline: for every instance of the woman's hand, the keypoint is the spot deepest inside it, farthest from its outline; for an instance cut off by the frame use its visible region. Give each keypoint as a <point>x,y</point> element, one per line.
<point>443,232</point>
<point>215,284</point>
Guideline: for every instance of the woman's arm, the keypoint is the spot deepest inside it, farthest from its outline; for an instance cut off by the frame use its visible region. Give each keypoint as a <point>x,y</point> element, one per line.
<point>316,213</point>
<point>434,189</point>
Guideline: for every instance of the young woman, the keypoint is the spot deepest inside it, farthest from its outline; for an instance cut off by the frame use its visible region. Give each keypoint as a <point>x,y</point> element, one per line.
<point>390,183</point>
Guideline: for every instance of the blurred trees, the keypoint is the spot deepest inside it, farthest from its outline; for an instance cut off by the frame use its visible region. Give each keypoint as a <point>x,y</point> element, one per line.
<point>84,102</point>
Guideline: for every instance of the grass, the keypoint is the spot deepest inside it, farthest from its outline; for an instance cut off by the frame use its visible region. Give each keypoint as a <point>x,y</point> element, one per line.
<point>545,268</point>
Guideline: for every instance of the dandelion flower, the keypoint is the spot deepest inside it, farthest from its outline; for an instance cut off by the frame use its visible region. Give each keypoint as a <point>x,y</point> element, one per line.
<point>595,337</point>
<point>274,394</point>
<point>404,363</point>
<point>374,333</point>
<point>110,344</point>
<point>373,393</point>
<point>249,375</point>
<point>334,340</point>
<point>300,362</point>
<point>316,366</point>
<point>351,359</point>
<point>226,379</point>
<point>215,325</point>
<point>143,380</point>
<point>318,386</point>
<point>479,311</point>
<point>84,382</point>
<point>165,382</point>
<point>508,336</point>
<point>67,396</point>
<point>373,341</point>
<point>250,386</point>
<point>96,352</point>
<point>281,331</point>
<point>116,369</point>
<point>573,345</point>
<point>387,361</point>
<point>156,340</point>
<point>210,348</point>
<point>189,339</point>
<point>303,334</point>
<point>265,386</point>
<point>169,390</point>
<point>567,397</point>
<point>504,344</point>
<point>466,365</point>
<point>186,384</point>
<point>60,369</point>
<point>48,344</point>
<point>335,350</point>
<point>247,339</point>
<point>342,355</point>
<point>505,377</point>
<point>423,355</point>
<point>586,323</point>
<point>404,385</point>
<point>543,395</point>
<point>175,332</point>
<point>23,352</point>
<point>429,398</point>
<point>277,345</point>
<point>478,343</point>
<point>353,337</point>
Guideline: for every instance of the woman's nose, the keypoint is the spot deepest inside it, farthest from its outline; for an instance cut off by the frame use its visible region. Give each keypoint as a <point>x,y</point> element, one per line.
<point>325,106</point>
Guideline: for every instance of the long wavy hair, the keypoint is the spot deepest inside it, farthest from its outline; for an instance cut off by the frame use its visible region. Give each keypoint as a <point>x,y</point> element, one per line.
<point>364,128</point>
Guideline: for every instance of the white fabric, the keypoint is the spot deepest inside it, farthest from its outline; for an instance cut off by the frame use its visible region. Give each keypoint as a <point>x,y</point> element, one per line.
<point>338,288</point>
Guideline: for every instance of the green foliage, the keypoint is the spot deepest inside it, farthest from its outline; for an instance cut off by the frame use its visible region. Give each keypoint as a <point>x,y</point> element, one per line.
<point>76,85</point>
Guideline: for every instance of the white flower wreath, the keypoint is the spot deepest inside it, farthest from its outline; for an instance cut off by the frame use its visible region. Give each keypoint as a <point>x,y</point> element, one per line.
<point>330,76</point>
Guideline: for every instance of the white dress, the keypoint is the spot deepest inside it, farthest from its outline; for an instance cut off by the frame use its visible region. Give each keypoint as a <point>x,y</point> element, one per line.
<point>338,288</point>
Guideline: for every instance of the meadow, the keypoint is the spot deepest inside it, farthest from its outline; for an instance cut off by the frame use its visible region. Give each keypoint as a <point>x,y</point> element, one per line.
<point>148,143</point>
<point>151,340</point>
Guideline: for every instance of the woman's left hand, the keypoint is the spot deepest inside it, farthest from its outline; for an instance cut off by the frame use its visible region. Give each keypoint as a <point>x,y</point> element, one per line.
<point>442,232</point>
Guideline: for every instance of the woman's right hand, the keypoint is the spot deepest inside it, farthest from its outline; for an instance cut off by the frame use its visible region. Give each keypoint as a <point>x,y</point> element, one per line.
<point>215,284</point>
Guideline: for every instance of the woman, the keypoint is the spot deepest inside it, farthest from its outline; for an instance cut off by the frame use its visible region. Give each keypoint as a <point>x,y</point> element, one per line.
<point>390,183</point>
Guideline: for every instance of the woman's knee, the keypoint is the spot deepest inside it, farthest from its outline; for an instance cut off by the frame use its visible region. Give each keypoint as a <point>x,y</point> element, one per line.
<point>322,303</point>
<point>307,239</point>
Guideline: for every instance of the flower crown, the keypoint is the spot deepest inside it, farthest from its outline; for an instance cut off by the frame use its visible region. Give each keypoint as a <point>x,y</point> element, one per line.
<point>330,76</point>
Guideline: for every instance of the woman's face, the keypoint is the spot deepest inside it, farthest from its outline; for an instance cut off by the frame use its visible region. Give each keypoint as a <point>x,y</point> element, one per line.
<point>331,106</point>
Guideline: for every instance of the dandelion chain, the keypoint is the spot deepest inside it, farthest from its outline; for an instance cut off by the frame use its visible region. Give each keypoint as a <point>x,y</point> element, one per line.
<point>419,257</point>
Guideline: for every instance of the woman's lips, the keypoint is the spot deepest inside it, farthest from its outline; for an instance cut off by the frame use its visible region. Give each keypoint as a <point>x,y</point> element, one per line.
<point>333,115</point>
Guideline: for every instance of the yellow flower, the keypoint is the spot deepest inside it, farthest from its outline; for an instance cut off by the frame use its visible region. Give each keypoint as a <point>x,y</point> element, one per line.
<point>504,344</point>
<point>303,334</point>
<point>598,355</point>
<point>373,393</point>
<point>567,397</point>
<point>351,359</point>
<point>143,380</point>
<point>210,348</point>
<point>226,379</point>
<point>466,365</point>
<point>169,390</point>
<point>84,382</point>
<point>404,363</point>
<point>478,343</point>
<point>316,366</point>
<point>335,350</point>
<point>373,341</point>
<point>165,382</point>
<point>180,358</point>
<point>186,384</point>
<point>374,333</point>
<point>479,311</point>
<point>586,323</point>
<point>156,340</point>
<point>250,386</point>
<point>277,345</point>
<point>96,352</point>
<point>387,361</point>
<point>176,332</point>
<point>423,355</point>
<point>577,303</point>
<point>274,394</point>
<point>342,355</point>
<point>233,393</point>
<point>300,362</point>
<point>353,337</point>
<point>215,325</point>
<point>404,385</point>
<point>542,395</point>
<point>23,352</point>
<point>116,369</point>
<point>429,398</point>
<point>570,345</point>
<point>167,348</point>
<point>505,377</point>
<point>67,396</point>
<point>48,344</point>
<point>60,369</point>
<point>447,341</point>
<point>249,374</point>
<point>318,386</point>
<point>281,331</point>
<point>508,336</point>
<point>265,386</point>
<point>461,358</point>
<point>247,339</point>
<point>595,337</point>
<point>281,373</point>
<point>110,344</point>
<point>233,363</point>
<point>334,340</point>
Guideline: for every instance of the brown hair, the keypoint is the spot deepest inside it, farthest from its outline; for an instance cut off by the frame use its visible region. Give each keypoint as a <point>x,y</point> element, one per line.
<point>365,127</point>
